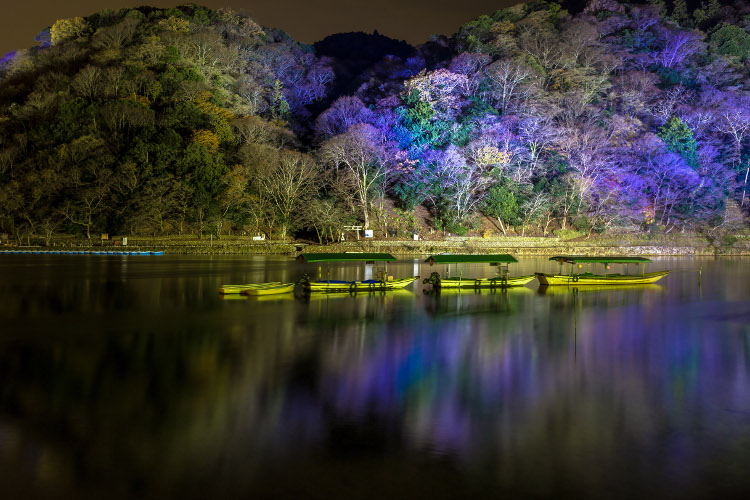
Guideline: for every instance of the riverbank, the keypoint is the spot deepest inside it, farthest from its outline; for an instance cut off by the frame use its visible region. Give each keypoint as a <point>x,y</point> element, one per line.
<point>608,244</point>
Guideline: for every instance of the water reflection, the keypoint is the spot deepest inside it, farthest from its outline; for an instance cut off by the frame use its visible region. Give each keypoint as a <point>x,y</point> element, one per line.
<point>145,382</point>
<point>461,302</point>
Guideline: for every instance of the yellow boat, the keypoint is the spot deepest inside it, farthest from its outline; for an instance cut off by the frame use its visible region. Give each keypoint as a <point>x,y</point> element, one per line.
<point>271,289</point>
<point>385,283</point>
<point>497,282</point>
<point>237,289</point>
<point>587,278</point>
<point>502,280</point>
<point>358,286</point>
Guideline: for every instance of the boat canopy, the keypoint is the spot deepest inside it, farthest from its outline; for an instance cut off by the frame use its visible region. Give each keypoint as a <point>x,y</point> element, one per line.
<point>470,259</point>
<point>345,257</point>
<point>609,259</point>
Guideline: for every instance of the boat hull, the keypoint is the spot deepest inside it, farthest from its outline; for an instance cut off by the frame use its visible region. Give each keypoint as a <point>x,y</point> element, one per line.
<point>599,279</point>
<point>269,290</point>
<point>358,286</point>
<point>484,282</point>
<point>237,289</point>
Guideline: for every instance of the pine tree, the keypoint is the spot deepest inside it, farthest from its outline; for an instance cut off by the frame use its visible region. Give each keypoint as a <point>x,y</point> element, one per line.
<point>680,12</point>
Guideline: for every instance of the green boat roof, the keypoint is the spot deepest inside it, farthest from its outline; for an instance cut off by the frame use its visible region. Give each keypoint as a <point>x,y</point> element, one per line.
<point>345,257</point>
<point>470,259</point>
<point>608,259</point>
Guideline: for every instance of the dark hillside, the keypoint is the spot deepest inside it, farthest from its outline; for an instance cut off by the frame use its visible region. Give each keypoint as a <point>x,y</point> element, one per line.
<point>353,53</point>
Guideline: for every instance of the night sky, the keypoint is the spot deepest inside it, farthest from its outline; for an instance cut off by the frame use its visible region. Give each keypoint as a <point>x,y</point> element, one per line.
<point>306,20</point>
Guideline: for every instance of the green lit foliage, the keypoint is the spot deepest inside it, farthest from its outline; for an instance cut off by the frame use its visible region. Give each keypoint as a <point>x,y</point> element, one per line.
<point>501,203</point>
<point>431,104</point>
<point>638,40</point>
<point>732,41</point>
<point>176,24</point>
<point>418,117</point>
<point>154,90</point>
<point>679,139</point>
<point>206,169</point>
<point>672,76</point>
<point>708,12</point>
<point>475,33</point>
<point>680,13</point>
<point>279,106</point>
<point>69,29</point>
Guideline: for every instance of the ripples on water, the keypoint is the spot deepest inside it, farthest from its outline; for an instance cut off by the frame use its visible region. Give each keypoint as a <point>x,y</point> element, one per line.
<point>131,377</point>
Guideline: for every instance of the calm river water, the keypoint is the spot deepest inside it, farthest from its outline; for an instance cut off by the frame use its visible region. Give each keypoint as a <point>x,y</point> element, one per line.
<point>130,377</point>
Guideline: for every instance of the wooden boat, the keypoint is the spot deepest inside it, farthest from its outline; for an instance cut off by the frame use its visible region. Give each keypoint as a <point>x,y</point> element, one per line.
<point>358,286</point>
<point>587,278</point>
<point>269,290</point>
<point>237,289</point>
<point>502,280</point>
<point>382,284</point>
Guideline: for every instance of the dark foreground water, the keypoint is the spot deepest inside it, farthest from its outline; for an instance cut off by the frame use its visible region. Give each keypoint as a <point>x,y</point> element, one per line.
<point>130,377</point>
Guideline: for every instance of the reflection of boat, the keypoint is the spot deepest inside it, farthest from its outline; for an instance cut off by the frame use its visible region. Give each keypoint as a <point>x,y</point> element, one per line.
<point>384,283</point>
<point>502,280</point>
<point>461,302</point>
<point>237,289</point>
<point>232,296</point>
<point>268,298</point>
<point>556,290</point>
<point>588,278</point>
<point>449,292</point>
<point>398,293</point>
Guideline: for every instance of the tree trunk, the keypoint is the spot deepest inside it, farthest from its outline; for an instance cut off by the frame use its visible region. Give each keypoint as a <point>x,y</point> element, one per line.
<point>546,226</point>
<point>502,226</point>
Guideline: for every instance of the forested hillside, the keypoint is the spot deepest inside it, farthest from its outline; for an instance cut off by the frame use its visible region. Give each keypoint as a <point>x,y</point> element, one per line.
<point>153,121</point>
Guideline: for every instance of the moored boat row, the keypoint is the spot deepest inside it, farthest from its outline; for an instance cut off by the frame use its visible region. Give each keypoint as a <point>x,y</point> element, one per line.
<point>384,282</point>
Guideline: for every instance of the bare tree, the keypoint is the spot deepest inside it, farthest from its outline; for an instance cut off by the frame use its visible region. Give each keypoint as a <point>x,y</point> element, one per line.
<point>289,184</point>
<point>360,151</point>
<point>507,79</point>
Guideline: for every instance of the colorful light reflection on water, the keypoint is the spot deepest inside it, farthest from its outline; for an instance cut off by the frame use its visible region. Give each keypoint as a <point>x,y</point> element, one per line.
<point>133,377</point>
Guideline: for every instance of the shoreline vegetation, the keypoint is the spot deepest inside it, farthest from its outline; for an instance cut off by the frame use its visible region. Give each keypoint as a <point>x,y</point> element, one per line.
<point>680,244</point>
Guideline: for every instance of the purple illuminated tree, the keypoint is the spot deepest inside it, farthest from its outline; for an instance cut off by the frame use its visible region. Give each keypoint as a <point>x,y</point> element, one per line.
<point>678,45</point>
<point>342,115</point>
<point>457,183</point>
